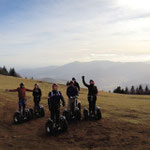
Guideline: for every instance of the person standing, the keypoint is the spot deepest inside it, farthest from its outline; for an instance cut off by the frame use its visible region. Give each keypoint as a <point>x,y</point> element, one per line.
<point>92,95</point>
<point>54,99</point>
<point>21,95</point>
<point>76,84</point>
<point>37,97</point>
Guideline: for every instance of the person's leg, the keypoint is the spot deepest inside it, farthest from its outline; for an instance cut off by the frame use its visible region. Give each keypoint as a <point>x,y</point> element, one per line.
<point>34,106</point>
<point>38,105</point>
<point>69,105</point>
<point>24,106</point>
<point>93,105</point>
<point>90,105</point>
<point>57,116</point>
<point>20,105</point>
<point>52,114</point>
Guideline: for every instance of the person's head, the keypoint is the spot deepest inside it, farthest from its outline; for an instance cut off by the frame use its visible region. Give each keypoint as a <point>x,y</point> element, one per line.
<point>22,85</point>
<point>71,83</point>
<point>91,82</point>
<point>73,79</point>
<point>55,87</point>
<point>36,86</point>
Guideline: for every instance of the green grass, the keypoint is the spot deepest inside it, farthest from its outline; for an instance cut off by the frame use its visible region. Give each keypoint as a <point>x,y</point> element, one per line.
<point>127,108</point>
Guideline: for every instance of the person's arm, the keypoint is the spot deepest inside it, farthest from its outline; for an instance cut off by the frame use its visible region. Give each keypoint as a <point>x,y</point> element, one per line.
<point>96,91</point>
<point>83,80</point>
<point>29,90</point>
<point>62,99</point>
<point>14,90</point>
<point>49,99</point>
<point>78,86</point>
<point>68,93</point>
<point>40,92</point>
<point>76,91</point>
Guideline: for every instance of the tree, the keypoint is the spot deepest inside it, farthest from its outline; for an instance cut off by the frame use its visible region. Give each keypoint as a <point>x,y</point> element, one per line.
<point>137,91</point>
<point>118,90</point>
<point>126,90</point>
<point>12,72</point>
<point>3,71</point>
<point>141,90</point>
<point>146,90</point>
<point>132,91</point>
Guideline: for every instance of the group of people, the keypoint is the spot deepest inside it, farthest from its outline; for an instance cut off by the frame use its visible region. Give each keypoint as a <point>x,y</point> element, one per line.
<point>55,96</point>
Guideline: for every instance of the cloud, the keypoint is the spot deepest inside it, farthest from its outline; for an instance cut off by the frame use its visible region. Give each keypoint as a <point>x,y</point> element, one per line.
<point>61,31</point>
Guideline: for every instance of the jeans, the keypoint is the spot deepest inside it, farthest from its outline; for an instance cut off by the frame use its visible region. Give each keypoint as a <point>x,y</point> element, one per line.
<point>36,106</point>
<point>22,104</point>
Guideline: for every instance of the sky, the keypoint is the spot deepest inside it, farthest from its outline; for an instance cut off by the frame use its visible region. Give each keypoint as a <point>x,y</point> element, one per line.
<point>36,33</point>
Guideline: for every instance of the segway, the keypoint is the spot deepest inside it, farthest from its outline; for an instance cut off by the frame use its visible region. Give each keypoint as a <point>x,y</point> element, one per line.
<point>52,129</point>
<point>38,112</point>
<point>75,110</point>
<point>20,118</point>
<point>96,116</point>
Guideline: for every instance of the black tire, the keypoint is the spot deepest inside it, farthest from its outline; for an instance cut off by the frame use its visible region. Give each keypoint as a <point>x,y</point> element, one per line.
<point>31,113</point>
<point>85,113</point>
<point>98,113</point>
<point>27,114</point>
<point>49,127</point>
<point>66,115</point>
<point>63,124</point>
<point>42,112</point>
<point>77,114</point>
<point>17,118</point>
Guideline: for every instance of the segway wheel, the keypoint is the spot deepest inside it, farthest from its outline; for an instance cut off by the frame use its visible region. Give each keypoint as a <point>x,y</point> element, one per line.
<point>63,124</point>
<point>17,118</point>
<point>49,127</point>
<point>98,113</point>
<point>66,114</point>
<point>31,113</point>
<point>77,114</point>
<point>27,115</point>
<point>85,112</point>
<point>42,112</point>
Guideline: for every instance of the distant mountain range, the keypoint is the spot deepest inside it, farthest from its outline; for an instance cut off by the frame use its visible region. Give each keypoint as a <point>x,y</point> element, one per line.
<point>107,75</point>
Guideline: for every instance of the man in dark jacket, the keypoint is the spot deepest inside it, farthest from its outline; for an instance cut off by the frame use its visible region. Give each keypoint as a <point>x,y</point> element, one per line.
<point>54,98</point>
<point>21,95</point>
<point>37,97</point>
<point>92,95</point>
<point>71,92</point>
<point>76,84</point>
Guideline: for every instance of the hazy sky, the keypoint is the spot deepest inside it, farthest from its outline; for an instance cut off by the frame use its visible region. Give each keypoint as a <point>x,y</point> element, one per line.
<point>53,32</point>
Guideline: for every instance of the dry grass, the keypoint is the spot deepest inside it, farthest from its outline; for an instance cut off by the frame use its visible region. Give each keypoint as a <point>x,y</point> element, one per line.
<point>125,123</point>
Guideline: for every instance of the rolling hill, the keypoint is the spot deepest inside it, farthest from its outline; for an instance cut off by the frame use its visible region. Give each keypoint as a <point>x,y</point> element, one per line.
<point>125,123</point>
<point>107,75</point>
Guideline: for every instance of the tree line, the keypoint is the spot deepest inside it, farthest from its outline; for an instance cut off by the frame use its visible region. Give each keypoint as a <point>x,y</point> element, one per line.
<point>137,91</point>
<point>11,72</point>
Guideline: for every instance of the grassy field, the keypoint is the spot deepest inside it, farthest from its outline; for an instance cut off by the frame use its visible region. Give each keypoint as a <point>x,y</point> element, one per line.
<point>125,123</point>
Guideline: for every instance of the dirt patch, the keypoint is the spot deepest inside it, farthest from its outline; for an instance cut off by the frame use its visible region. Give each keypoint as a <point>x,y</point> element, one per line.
<point>107,134</point>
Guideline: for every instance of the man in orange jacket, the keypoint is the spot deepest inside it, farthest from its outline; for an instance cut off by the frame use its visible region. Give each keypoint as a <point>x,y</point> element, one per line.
<point>21,95</point>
